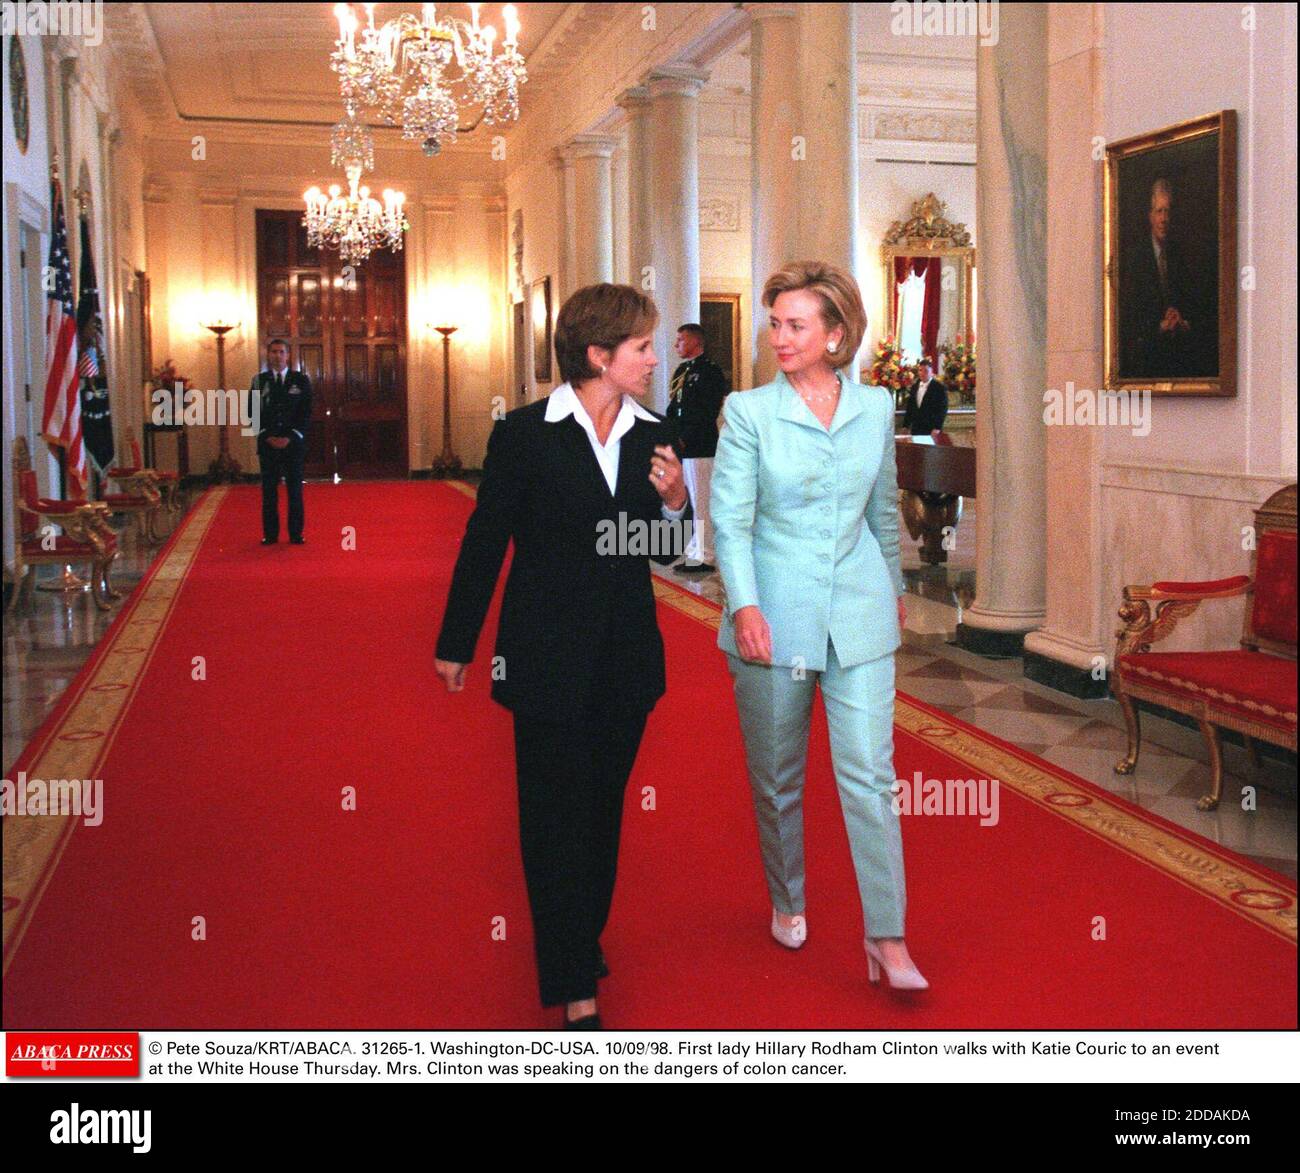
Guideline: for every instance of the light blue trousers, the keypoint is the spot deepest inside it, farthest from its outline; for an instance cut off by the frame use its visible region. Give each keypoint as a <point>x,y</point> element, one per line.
<point>775,708</point>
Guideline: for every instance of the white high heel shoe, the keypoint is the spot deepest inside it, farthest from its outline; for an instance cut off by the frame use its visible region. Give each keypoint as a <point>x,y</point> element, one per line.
<point>899,978</point>
<point>792,937</point>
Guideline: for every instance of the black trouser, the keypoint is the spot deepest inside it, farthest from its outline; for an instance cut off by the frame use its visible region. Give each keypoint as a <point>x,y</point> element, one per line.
<point>571,779</point>
<point>278,464</point>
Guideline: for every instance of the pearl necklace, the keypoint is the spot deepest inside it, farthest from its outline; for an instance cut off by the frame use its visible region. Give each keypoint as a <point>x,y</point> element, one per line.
<point>830,398</point>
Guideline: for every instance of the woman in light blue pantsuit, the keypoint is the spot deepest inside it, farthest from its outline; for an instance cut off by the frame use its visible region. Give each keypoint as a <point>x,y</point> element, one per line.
<point>805,516</point>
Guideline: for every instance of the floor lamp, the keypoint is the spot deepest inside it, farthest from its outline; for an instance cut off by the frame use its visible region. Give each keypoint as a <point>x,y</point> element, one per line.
<point>448,463</point>
<point>225,467</point>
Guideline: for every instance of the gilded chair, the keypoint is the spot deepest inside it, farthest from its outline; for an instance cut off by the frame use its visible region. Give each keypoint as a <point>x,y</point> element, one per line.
<point>1251,690</point>
<point>86,537</point>
<point>167,483</point>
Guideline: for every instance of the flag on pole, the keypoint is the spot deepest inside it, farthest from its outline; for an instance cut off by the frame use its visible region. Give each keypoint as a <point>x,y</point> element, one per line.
<point>96,414</point>
<point>61,419</point>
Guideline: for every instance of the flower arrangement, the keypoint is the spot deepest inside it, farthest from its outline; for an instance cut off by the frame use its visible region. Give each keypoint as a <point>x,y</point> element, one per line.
<point>889,369</point>
<point>168,376</point>
<point>957,361</point>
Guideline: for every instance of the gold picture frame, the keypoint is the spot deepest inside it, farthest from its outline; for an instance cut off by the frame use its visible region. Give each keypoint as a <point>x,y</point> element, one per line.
<point>929,233</point>
<point>720,319</point>
<point>540,311</point>
<point>1169,259</point>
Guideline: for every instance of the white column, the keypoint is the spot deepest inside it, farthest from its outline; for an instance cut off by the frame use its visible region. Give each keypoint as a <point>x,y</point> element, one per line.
<point>566,237</point>
<point>592,210</point>
<point>828,125</point>
<point>1077,633</point>
<point>640,184</point>
<point>618,199</point>
<point>1011,211</point>
<point>774,173</point>
<point>675,200</point>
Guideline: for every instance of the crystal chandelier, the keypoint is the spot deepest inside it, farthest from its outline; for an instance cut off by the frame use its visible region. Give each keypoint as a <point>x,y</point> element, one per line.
<point>403,71</point>
<point>356,224</point>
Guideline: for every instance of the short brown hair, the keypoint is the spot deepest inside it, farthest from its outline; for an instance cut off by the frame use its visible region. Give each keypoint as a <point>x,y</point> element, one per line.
<point>599,315</point>
<point>841,301</point>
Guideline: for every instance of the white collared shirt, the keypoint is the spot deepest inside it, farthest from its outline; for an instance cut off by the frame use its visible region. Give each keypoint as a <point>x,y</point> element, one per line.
<point>564,402</point>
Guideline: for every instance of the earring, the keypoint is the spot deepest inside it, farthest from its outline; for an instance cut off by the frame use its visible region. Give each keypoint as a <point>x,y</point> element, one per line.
<point>602,370</point>
<point>832,347</point>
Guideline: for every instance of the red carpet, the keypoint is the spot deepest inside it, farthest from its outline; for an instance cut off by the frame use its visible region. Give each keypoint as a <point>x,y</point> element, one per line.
<point>225,800</point>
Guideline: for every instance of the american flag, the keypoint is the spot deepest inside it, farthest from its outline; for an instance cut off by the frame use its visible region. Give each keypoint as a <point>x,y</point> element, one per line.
<point>61,421</point>
<point>88,363</point>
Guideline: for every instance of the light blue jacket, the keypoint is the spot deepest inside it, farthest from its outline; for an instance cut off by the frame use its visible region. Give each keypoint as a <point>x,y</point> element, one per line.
<point>806,522</point>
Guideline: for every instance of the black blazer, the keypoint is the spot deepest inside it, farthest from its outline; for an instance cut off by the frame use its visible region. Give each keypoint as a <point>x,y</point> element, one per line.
<point>284,412</point>
<point>1147,351</point>
<point>576,622</point>
<point>704,387</point>
<point>930,413</point>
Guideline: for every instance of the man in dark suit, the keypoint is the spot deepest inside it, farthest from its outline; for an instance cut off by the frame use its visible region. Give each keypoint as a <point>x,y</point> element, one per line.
<point>586,483</point>
<point>697,390</point>
<point>927,403</point>
<point>1166,333</point>
<point>284,401</point>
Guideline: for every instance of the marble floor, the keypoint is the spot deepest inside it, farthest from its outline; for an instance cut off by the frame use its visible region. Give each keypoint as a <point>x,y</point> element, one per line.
<point>1085,737</point>
<point>46,643</point>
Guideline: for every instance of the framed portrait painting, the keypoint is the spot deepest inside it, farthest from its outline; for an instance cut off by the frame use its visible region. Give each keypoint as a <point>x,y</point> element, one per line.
<point>1170,259</point>
<point>540,311</point>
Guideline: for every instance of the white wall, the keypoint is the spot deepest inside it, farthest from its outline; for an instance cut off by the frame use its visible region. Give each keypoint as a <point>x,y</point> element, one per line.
<point>1126,508</point>
<point>26,198</point>
<point>1174,502</point>
<point>201,217</point>
<point>534,188</point>
<point>887,190</point>
<point>74,117</point>
<point>1161,70</point>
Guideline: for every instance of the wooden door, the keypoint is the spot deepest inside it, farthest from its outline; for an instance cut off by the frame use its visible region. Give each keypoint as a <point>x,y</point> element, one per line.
<point>346,328</point>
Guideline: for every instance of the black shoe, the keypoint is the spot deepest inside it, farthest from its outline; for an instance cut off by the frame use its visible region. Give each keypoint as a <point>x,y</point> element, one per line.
<point>298,541</point>
<point>602,970</point>
<point>590,1022</point>
<point>269,541</point>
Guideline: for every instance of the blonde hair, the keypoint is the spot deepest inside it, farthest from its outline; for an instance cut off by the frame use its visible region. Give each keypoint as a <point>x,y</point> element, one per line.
<point>841,301</point>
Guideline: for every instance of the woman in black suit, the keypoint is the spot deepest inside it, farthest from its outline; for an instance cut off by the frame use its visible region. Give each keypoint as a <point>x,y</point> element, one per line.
<point>569,479</point>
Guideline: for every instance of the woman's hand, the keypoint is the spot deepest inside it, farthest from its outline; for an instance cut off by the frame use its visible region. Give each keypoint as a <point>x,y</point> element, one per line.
<point>753,636</point>
<point>453,674</point>
<point>902,614</point>
<point>666,476</point>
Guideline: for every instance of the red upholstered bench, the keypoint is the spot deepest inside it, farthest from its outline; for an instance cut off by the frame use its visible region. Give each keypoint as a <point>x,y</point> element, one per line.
<point>1251,689</point>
